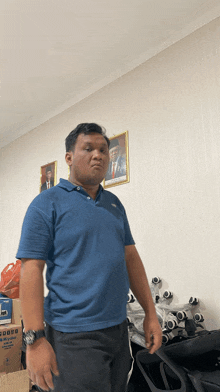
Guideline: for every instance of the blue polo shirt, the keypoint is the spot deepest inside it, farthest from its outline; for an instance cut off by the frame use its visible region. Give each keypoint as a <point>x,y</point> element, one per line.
<point>83,243</point>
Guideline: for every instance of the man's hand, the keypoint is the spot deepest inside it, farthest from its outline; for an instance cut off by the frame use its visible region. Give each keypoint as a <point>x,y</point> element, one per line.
<point>153,334</point>
<point>41,361</point>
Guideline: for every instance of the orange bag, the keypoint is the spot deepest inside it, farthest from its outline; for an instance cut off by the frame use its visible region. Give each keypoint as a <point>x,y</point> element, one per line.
<point>10,278</point>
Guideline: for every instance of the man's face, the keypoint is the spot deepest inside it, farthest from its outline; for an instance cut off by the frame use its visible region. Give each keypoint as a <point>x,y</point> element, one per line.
<point>114,152</point>
<point>48,175</point>
<point>89,160</point>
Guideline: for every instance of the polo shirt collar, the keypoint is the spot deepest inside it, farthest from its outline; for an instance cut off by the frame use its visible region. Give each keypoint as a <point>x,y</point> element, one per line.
<point>69,186</point>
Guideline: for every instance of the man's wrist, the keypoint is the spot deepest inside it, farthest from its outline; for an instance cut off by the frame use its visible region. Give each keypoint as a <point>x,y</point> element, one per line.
<point>36,344</point>
<point>31,336</point>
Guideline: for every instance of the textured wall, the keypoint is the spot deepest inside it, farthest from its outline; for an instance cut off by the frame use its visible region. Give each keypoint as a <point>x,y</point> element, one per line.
<point>171,107</point>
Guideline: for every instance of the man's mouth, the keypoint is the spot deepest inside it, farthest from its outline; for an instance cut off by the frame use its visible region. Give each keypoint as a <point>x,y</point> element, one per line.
<point>97,165</point>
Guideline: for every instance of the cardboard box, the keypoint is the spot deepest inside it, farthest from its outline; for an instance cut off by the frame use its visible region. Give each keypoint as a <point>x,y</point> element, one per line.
<point>16,316</point>
<point>15,382</point>
<point>12,378</point>
<point>5,309</point>
<point>10,347</point>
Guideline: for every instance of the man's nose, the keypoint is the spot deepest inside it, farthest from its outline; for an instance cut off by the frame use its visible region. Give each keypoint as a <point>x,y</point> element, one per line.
<point>97,154</point>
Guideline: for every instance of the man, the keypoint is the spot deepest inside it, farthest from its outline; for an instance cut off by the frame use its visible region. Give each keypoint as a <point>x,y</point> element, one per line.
<point>117,164</point>
<point>49,181</point>
<point>81,232</point>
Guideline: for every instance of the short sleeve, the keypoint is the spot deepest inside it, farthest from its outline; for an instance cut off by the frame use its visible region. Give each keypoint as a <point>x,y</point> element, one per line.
<point>36,235</point>
<point>128,236</point>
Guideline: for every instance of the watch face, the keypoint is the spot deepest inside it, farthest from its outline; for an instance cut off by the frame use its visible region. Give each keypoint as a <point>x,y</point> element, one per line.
<point>29,337</point>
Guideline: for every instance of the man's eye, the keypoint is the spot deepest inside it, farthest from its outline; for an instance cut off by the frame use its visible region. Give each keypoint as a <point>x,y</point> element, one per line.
<point>88,149</point>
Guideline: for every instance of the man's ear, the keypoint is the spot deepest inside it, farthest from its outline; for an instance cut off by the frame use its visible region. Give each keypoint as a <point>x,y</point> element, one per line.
<point>69,158</point>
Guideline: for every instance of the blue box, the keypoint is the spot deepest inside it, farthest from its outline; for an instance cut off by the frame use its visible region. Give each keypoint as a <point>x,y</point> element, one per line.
<point>5,309</point>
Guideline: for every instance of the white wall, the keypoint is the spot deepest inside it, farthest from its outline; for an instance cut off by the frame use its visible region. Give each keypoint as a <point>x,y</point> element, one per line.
<point>171,107</point>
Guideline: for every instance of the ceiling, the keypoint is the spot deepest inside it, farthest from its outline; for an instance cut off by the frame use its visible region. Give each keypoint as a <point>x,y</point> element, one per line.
<point>54,53</point>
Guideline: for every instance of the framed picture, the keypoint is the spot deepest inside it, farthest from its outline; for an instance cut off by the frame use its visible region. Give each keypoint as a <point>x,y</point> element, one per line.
<point>118,169</point>
<point>48,176</point>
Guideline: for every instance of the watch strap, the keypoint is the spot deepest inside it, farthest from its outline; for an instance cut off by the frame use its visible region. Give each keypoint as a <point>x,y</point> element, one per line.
<point>40,334</point>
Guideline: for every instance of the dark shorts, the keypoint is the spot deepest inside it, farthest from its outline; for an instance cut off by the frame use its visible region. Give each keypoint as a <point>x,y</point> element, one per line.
<point>92,361</point>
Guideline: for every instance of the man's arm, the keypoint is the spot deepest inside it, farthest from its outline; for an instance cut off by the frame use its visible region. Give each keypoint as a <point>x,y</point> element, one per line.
<point>40,357</point>
<point>140,287</point>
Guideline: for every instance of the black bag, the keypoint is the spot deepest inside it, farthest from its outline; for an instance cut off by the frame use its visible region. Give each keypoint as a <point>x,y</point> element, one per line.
<point>190,365</point>
<point>205,381</point>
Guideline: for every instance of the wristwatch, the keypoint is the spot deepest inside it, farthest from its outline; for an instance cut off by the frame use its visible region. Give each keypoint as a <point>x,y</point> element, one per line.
<point>31,336</point>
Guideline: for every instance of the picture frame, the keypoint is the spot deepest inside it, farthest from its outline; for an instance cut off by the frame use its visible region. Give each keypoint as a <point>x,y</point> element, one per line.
<point>48,176</point>
<point>118,170</point>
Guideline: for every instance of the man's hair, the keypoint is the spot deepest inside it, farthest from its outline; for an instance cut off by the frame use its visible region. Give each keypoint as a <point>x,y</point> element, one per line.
<point>85,128</point>
<point>48,168</point>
